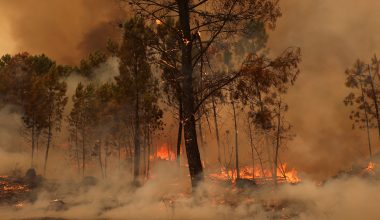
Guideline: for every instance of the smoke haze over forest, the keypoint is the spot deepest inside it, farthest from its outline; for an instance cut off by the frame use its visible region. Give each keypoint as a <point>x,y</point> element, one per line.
<point>331,34</point>
<point>322,172</point>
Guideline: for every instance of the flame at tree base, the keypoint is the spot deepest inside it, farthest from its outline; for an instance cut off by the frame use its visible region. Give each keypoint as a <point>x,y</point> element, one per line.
<point>260,176</point>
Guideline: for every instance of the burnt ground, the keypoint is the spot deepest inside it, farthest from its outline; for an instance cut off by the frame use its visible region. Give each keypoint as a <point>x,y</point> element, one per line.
<point>14,191</point>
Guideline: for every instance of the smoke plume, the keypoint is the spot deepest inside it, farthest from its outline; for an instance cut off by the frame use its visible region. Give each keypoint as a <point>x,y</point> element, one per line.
<point>65,31</point>
<point>332,35</point>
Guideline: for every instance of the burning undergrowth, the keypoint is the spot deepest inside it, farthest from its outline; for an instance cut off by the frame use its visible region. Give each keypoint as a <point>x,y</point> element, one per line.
<point>168,196</point>
<point>13,191</point>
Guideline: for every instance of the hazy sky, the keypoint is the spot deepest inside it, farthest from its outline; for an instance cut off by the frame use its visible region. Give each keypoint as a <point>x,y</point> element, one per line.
<point>331,34</point>
<point>65,30</point>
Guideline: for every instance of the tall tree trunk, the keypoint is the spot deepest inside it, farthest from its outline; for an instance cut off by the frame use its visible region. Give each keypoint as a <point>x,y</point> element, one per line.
<point>48,144</point>
<point>37,143</point>
<point>149,146</point>
<point>77,148</point>
<point>201,141</point>
<point>236,142</point>
<point>216,129</point>
<point>99,148</point>
<point>252,148</point>
<point>260,160</point>
<point>119,156</point>
<point>145,149</point>
<point>180,126</point>
<point>106,152</point>
<point>136,165</point>
<point>374,97</point>
<point>33,134</point>
<point>367,123</point>
<point>277,143</point>
<point>83,150</point>
<point>190,133</point>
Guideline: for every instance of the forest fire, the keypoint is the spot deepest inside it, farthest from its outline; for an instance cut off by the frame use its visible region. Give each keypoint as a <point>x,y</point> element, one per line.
<point>260,176</point>
<point>198,109</point>
<point>163,153</point>
<point>13,191</point>
<point>370,168</point>
<point>9,185</point>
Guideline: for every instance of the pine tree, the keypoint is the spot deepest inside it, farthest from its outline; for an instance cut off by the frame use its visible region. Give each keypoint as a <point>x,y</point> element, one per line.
<point>136,81</point>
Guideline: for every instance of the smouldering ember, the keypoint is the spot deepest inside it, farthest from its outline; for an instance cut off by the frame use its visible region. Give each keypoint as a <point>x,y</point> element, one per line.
<point>370,167</point>
<point>19,205</point>
<point>13,190</point>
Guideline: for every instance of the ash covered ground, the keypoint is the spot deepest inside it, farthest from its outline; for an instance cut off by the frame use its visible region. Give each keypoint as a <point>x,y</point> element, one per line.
<point>346,196</point>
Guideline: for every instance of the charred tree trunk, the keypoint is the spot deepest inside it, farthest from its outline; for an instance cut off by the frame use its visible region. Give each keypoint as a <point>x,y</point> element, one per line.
<point>143,168</point>
<point>106,153</point>
<point>190,133</point>
<point>136,165</point>
<point>374,97</point>
<point>146,143</point>
<point>83,150</point>
<point>33,135</point>
<point>367,123</point>
<point>236,142</point>
<point>77,148</point>
<point>119,156</point>
<point>277,143</point>
<point>149,146</point>
<point>252,148</point>
<point>48,144</point>
<point>37,143</point>
<point>260,160</point>
<point>99,148</point>
<point>216,129</point>
<point>129,154</point>
<point>201,141</point>
<point>180,126</point>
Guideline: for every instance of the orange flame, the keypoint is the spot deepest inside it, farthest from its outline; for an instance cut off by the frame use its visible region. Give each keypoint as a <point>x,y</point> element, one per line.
<point>163,153</point>
<point>158,22</point>
<point>261,176</point>
<point>370,167</point>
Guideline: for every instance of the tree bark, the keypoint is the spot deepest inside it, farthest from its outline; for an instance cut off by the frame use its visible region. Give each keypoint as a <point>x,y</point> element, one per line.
<point>47,145</point>
<point>106,152</point>
<point>77,148</point>
<point>190,133</point>
<point>37,143</point>
<point>201,141</point>
<point>236,142</point>
<point>252,148</point>
<point>216,129</point>
<point>119,156</point>
<point>144,151</point>
<point>367,123</point>
<point>277,143</point>
<point>149,146</point>
<point>180,126</point>
<point>136,165</point>
<point>374,97</point>
<point>33,134</point>
<point>83,150</point>
<point>99,148</point>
